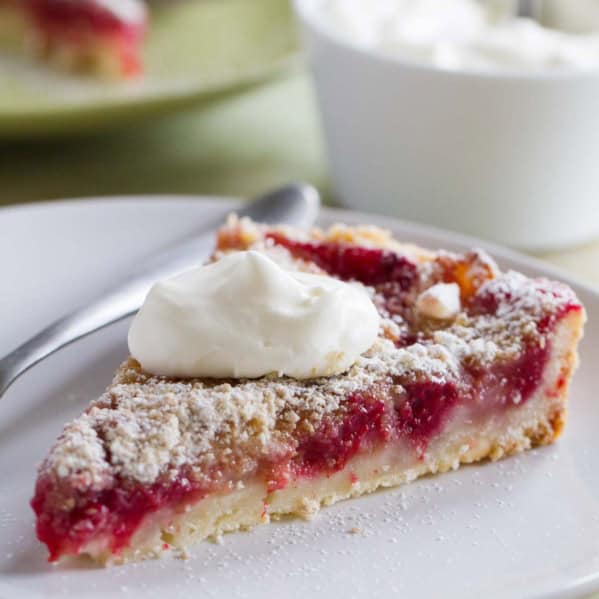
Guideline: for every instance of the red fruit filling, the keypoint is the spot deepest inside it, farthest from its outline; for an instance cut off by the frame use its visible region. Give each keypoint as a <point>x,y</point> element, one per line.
<point>370,418</point>
<point>423,410</point>
<point>370,266</point>
<point>117,511</point>
<point>335,443</point>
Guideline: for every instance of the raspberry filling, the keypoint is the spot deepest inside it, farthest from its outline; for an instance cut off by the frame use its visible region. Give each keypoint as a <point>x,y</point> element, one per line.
<point>370,420</point>
<point>117,511</point>
<point>334,444</point>
<point>405,410</point>
<point>372,267</point>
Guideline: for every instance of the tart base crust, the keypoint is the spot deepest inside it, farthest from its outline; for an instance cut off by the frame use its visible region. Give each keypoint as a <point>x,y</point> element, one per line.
<point>539,422</point>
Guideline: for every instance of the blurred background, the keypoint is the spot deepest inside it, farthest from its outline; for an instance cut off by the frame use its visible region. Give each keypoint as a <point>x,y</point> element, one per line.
<point>220,101</point>
<point>224,107</point>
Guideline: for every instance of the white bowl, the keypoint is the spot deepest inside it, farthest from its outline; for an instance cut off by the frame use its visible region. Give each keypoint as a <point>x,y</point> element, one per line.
<point>508,156</point>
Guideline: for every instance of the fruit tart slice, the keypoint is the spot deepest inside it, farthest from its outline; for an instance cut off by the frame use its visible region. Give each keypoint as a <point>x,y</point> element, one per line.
<point>102,37</point>
<point>470,363</point>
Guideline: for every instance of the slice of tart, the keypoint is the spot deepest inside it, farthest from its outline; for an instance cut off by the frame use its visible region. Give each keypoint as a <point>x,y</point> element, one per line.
<point>470,363</point>
<point>102,37</point>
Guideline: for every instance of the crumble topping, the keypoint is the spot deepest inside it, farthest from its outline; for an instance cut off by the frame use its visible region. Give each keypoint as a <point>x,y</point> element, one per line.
<point>80,452</point>
<point>145,427</point>
<point>151,426</point>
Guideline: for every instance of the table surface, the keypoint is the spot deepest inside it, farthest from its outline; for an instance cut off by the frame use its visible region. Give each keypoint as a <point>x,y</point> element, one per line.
<point>238,146</point>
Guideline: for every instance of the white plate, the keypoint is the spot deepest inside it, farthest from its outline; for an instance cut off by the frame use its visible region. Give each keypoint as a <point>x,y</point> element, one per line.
<point>526,526</point>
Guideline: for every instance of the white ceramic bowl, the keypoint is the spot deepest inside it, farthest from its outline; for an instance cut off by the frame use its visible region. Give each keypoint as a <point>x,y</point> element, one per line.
<point>508,156</point>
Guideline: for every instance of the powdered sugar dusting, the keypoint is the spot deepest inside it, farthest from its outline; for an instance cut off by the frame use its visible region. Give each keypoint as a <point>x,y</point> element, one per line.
<point>159,425</point>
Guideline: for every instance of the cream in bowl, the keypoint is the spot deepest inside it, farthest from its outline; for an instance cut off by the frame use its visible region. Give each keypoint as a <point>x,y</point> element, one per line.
<point>463,34</point>
<point>460,114</point>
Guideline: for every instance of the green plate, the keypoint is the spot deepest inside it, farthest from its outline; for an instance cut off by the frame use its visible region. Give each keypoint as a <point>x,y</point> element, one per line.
<point>196,51</point>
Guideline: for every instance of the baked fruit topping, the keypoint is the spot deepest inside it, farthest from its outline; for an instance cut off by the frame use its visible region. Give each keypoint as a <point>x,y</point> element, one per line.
<point>470,363</point>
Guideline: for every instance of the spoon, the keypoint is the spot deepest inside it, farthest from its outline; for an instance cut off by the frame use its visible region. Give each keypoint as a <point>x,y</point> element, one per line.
<point>527,8</point>
<point>295,204</point>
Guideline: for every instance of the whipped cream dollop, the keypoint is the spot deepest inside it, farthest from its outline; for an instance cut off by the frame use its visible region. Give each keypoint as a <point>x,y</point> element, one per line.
<point>469,34</point>
<point>245,316</point>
